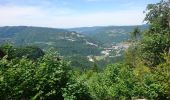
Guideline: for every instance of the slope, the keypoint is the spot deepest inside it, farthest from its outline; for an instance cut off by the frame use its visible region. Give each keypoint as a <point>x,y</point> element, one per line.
<point>108,35</point>
<point>65,42</point>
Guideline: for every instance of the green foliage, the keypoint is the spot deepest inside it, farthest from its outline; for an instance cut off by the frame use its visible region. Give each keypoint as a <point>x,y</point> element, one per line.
<point>157,14</point>
<point>2,54</point>
<point>108,35</point>
<point>156,40</point>
<point>131,56</point>
<point>25,79</point>
<point>67,43</point>
<point>76,91</point>
<point>30,52</point>
<point>47,78</point>
<point>152,47</point>
<point>120,81</point>
<point>50,77</point>
<point>163,76</point>
<point>6,48</point>
<point>135,34</point>
<point>95,67</point>
<point>79,62</point>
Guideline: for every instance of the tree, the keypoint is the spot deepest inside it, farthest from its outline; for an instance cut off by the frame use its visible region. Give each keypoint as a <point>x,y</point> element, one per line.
<point>30,52</point>
<point>162,76</point>
<point>95,67</point>
<point>2,54</point>
<point>136,33</point>
<point>7,48</point>
<point>46,78</point>
<point>158,14</point>
<point>156,40</point>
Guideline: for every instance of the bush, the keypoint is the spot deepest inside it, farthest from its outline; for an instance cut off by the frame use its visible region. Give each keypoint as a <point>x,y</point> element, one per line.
<point>46,78</point>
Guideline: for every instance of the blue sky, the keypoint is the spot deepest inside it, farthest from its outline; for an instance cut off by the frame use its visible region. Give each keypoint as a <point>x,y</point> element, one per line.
<point>72,13</point>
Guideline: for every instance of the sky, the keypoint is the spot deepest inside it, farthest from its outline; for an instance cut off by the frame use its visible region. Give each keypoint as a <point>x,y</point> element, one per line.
<point>72,13</point>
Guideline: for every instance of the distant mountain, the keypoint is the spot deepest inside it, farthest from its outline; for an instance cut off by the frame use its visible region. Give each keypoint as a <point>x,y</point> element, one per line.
<point>108,34</point>
<point>65,42</point>
<point>82,46</point>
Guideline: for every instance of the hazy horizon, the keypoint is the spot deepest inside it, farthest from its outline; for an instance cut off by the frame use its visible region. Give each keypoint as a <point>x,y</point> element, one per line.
<point>71,14</point>
<point>72,27</point>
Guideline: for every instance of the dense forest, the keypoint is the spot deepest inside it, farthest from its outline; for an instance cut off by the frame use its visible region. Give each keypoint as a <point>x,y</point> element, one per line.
<point>95,43</point>
<point>29,73</point>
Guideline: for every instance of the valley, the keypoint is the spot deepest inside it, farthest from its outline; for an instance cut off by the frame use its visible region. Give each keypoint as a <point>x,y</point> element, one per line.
<point>55,50</point>
<point>88,44</point>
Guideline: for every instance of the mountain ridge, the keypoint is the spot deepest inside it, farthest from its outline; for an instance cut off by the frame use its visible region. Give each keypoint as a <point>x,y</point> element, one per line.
<point>48,37</point>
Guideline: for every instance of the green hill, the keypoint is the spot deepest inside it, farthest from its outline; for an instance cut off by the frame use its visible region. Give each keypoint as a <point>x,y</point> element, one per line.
<point>108,35</point>
<point>65,42</point>
<point>73,44</point>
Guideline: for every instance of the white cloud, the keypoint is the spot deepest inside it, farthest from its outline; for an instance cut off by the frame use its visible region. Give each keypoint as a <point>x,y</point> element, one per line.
<point>13,15</point>
<point>63,17</point>
<point>100,18</point>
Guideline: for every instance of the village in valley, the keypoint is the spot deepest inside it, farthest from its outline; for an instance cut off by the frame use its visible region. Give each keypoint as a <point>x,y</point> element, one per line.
<point>116,50</point>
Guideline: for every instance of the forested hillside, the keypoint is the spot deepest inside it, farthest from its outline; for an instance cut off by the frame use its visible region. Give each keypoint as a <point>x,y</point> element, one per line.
<point>70,44</point>
<point>65,42</point>
<point>109,35</point>
<point>29,73</point>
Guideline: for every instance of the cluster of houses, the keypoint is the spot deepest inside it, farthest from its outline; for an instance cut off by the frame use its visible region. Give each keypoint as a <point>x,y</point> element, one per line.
<point>117,48</point>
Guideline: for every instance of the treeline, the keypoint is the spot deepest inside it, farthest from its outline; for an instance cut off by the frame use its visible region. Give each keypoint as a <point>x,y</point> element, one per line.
<point>144,73</point>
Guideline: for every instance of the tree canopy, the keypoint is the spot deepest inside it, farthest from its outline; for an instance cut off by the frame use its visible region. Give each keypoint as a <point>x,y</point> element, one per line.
<point>28,73</point>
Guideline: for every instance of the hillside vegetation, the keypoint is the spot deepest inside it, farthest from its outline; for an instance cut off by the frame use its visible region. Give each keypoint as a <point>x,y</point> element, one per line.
<point>65,42</point>
<point>93,45</point>
<point>144,73</point>
<point>109,35</point>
